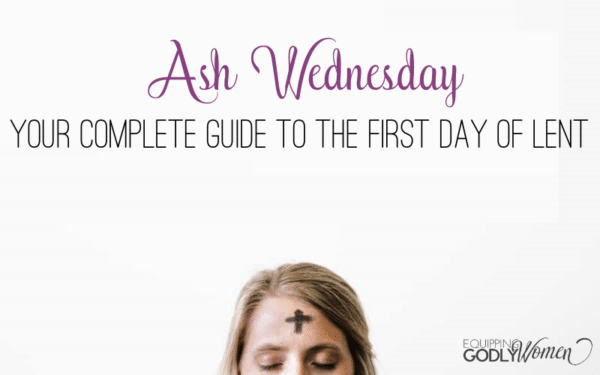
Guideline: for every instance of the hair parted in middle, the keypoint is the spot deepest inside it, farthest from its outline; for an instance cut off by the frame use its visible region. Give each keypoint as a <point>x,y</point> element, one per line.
<point>314,284</point>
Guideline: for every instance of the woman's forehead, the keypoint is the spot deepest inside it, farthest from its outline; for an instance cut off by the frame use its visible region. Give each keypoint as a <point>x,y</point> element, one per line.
<point>287,322</point>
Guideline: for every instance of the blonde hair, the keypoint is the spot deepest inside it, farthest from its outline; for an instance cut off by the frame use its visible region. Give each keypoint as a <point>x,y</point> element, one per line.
<point>316,285</point>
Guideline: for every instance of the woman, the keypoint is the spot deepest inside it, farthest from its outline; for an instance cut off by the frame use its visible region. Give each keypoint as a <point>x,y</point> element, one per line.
<point>298,319</point>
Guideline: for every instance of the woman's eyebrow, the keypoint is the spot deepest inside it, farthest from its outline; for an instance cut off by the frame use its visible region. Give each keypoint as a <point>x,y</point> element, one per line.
<point>269,348</point>
<point>317,348</point>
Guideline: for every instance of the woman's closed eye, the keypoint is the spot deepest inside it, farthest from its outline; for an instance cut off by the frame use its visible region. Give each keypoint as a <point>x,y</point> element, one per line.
<point>326,359</point>
<point>272,367</point>
<point>324,366</point>
<point>269,361</point>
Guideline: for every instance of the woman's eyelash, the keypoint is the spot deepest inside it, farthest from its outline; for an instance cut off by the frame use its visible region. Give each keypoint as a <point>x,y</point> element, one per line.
<point>270,367</point>
<point>321,366</point>
<point>324,366</point>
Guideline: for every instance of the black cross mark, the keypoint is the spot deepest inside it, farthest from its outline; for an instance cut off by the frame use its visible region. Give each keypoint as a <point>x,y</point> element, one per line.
<point>298,319</point>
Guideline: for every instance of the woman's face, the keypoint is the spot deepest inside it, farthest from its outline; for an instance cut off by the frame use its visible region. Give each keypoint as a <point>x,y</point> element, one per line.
<point>289,336</point>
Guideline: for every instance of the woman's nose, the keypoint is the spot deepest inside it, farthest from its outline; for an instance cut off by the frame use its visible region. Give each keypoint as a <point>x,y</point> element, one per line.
<point>295,367</point>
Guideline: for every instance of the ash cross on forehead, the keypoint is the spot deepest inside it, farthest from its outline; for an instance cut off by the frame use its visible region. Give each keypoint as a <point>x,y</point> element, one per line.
<point>298,319</point>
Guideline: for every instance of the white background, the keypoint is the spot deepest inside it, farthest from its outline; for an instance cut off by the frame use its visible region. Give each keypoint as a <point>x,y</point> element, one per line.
<point>129,261</point>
